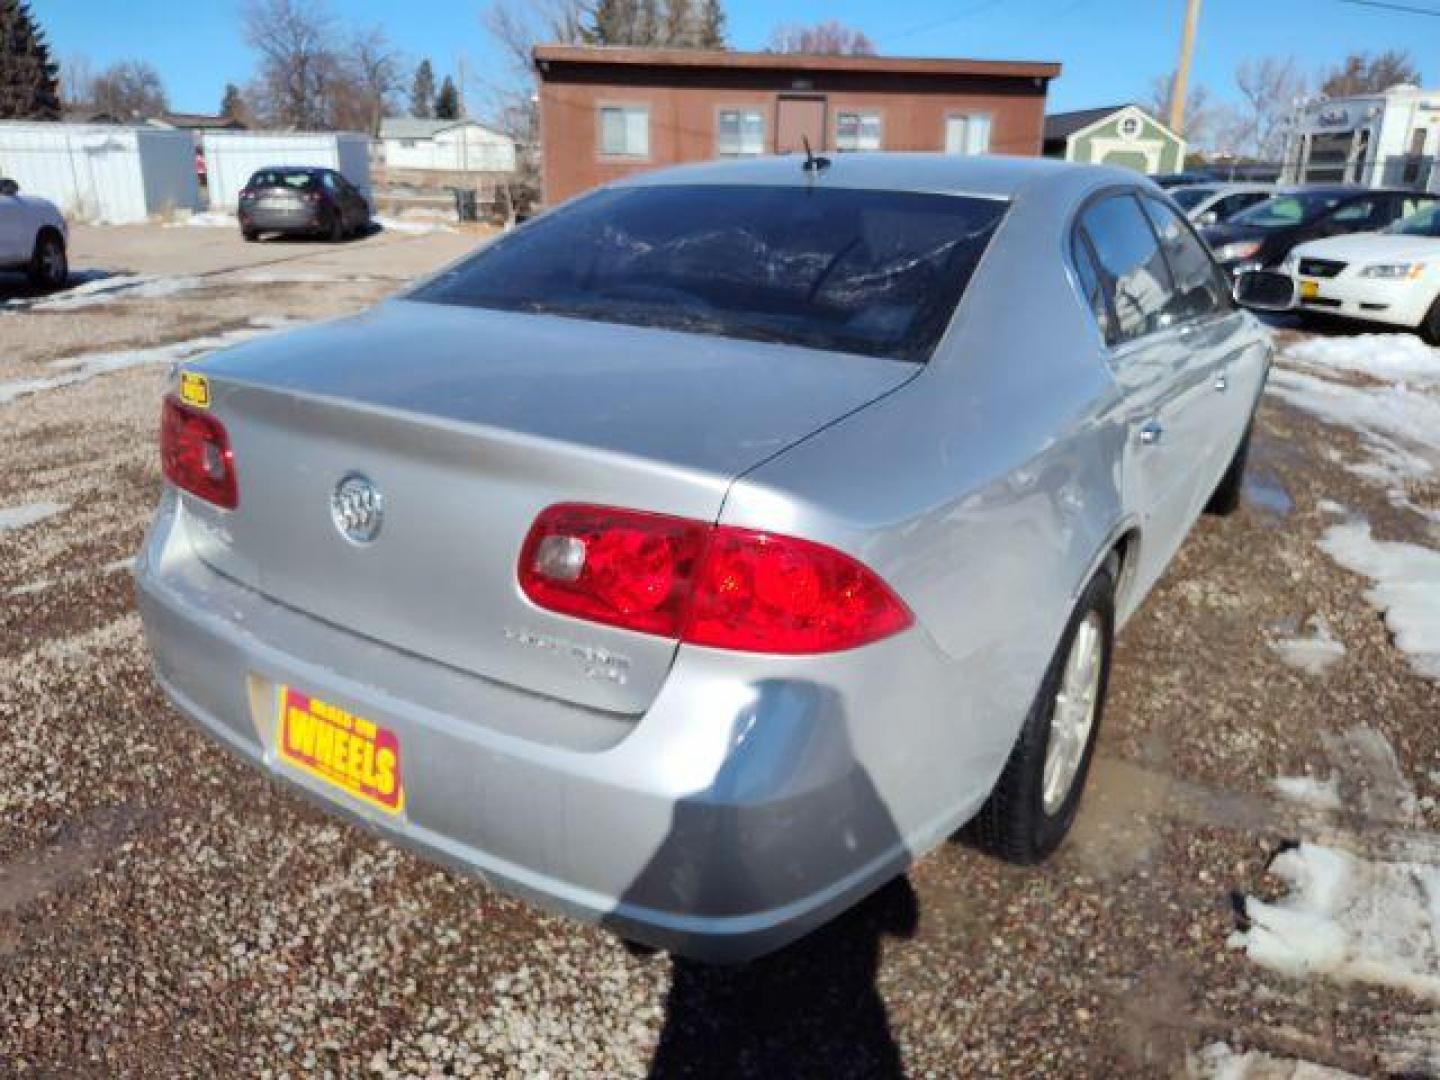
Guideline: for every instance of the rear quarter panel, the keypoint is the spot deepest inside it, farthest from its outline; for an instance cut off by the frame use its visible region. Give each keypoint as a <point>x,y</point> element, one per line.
<point>984,491</point>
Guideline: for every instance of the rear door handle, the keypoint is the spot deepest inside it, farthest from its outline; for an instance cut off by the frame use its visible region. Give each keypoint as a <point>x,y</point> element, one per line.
<point>1222,382</point>
<point>1151,432</point>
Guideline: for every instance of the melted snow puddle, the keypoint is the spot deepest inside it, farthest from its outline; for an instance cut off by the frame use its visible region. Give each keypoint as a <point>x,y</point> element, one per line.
<point>78,369</point>
<point>17,517</point>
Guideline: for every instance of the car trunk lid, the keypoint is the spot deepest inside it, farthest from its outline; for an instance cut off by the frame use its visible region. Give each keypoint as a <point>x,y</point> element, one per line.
<point>468,423</point>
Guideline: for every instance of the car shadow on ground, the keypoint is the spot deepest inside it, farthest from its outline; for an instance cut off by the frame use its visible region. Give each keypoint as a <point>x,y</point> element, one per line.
<point>790,811</point>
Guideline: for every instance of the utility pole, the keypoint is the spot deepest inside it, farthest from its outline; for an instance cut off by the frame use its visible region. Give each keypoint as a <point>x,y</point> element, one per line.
<point>1180,87</point>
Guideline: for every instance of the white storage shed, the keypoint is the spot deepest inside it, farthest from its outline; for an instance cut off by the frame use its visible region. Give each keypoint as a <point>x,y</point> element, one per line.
<point>101,172</point>
<point>231,157</point>
<point>445,146</point>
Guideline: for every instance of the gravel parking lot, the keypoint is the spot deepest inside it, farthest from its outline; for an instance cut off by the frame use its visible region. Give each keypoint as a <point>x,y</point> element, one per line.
<point>1254,880</point>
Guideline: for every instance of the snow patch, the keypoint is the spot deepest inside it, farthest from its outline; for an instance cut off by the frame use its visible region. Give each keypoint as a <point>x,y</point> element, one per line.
<point>1218,1062</point>
<point>412,226</point>
<point>78,369</point>
<point>1310,791</point>
<point>1387,357</point>
<point>109,290</point>
<point>17,517</point>
<point>1312,654</point>
<point>1406,588</point>
<point>206,219</point>
<point>1330,506</point>
<point>1351,919</point>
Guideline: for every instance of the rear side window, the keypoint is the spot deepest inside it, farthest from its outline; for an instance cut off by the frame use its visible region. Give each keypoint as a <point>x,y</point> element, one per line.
<point>1092,284</point>
<point>1131,265</point>
<point>877,273</point>
<point>1198,288</point>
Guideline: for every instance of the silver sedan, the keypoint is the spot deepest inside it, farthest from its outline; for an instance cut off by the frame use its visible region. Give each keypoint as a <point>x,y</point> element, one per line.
<point>698,555</point>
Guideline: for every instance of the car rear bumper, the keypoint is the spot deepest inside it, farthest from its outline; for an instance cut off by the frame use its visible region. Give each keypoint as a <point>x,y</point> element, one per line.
<point>259,219</point>
<point>731,818</point>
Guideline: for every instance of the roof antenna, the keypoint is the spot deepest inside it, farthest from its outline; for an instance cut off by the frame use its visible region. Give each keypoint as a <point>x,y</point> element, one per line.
<point>813,163</point>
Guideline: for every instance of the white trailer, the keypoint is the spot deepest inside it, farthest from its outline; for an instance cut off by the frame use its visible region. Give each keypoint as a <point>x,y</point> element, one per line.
<point>101,172</point>
<point>231,157</point>
<point>1380,140</point>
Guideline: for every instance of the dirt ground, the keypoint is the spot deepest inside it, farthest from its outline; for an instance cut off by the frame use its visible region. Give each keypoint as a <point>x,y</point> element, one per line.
<point>166,911</point>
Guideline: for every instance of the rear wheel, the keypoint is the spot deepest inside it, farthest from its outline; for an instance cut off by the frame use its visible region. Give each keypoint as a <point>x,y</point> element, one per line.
<point>1034,803</point>
<point>1430,328</point>
<point>335,228</point>
<point>250,235</point>
<point>49,267</point>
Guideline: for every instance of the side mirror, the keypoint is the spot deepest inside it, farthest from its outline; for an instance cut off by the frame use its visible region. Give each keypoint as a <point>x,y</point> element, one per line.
<point>8,186</point>
<point>1209,217</point>
<point>1265,290</point>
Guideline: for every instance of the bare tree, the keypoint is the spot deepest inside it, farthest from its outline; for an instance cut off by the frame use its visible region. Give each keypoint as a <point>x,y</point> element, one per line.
<point>1203,117</point>
<point>77,80</point>
<point>298,66</point>
<point>1361,73</point>
<point>1270,88</point>
<point>129,90</point>
<point>516,27</point>
<point>374,68</point>
<point>827,38</point>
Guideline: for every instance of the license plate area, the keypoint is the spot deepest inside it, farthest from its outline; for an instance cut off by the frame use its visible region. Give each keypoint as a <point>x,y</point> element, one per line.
<point>348,753</point>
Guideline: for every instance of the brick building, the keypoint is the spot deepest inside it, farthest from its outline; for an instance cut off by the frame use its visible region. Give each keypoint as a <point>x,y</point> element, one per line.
<point>608,112</point>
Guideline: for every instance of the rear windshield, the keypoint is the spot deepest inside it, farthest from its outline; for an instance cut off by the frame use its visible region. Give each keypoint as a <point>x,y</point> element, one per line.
<point>302,181</point>
<point>871,272</point>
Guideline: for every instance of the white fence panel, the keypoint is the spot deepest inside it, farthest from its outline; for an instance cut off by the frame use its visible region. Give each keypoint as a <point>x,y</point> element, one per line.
<point>231,157</point>
<point>100,173</point>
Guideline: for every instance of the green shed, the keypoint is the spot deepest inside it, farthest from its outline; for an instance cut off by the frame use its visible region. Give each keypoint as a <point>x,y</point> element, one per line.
<point>1124,135</point>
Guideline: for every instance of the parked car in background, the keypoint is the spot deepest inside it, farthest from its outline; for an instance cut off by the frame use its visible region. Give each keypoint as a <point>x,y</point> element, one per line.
<point>1263,235</point>
<point>302,199</point>
<point>1390,277</point>
<point>33,237</point>
<point>695,556</point>
<point>1210,204</point>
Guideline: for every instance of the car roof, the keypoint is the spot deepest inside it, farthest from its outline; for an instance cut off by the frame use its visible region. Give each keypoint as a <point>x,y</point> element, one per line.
<point>986,176</point>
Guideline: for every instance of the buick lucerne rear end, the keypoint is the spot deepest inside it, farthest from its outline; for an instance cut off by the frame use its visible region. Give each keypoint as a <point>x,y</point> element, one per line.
<point>694,557</point>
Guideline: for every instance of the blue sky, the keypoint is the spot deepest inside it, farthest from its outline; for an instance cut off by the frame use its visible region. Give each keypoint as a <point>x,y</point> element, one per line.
<point>1110,48</point>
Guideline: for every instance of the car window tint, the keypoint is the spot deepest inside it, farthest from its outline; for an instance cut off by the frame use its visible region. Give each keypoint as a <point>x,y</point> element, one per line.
<point>1092,285</point>
<point>1423,222</point>
<point>1131,263</point>
<point>1359,214</point>
<point>283,178</point>
<point>1191,197</point>
<point>871,272</point>
<point>1198,291</point>
<point>1414,204</point>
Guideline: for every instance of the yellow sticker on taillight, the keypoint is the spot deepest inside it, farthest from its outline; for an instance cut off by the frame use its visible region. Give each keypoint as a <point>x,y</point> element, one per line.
<point>195,389</point>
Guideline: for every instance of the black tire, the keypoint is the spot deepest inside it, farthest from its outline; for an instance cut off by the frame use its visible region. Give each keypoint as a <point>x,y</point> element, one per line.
<point>1014,824</point>
<point>250,235</point>
<point>1430,328</point>
<point>49,266</point>
<point>1225,499</point>
<point>335,228</point>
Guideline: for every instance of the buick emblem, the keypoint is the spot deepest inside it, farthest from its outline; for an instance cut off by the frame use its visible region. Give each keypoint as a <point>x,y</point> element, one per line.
<point>357,508</point>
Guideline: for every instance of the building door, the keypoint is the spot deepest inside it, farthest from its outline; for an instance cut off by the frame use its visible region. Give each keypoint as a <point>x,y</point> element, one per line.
<point>799,119</point>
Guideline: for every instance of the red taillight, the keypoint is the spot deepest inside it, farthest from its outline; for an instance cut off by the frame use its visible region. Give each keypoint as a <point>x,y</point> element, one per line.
<point>195,454</point>
<point>710,585</point>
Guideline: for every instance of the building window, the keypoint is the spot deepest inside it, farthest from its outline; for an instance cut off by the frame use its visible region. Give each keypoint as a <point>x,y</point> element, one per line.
<point>625,131</point>
<point>740,132</point>
<point>857,131</point>
<point>967,134</point>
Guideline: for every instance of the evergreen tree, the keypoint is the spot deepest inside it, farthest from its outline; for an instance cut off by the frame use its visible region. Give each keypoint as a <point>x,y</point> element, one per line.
<point>422,92</point>
<point>232,105</point>
<point>675,24</point>
<point>29,79</point>
<point>612,23</point>
<point>447,101</point>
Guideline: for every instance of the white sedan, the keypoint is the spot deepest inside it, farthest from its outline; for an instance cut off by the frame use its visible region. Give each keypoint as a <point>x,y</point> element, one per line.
<point>32,237</point>
<point>1390,277</point>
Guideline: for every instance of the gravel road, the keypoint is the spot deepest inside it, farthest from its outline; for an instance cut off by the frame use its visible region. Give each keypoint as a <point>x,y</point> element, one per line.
<point>165,911</point>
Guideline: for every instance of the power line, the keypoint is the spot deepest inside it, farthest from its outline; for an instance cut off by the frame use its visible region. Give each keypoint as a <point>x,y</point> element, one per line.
<point>1390,5</point>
